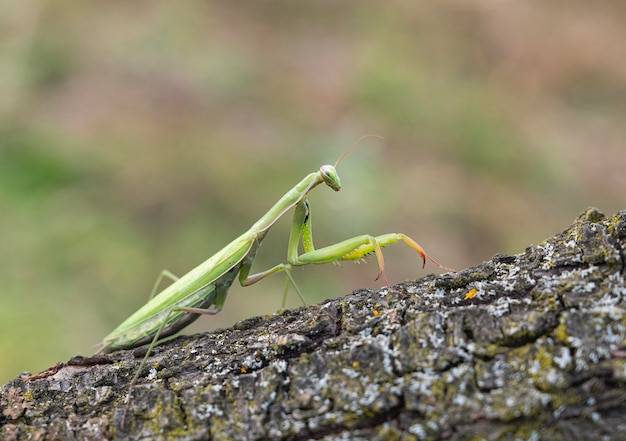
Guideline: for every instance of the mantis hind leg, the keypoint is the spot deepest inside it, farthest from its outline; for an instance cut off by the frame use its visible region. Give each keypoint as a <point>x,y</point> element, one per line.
<point>155,340</point>
<point>133,380</point>
<point>164,274</point>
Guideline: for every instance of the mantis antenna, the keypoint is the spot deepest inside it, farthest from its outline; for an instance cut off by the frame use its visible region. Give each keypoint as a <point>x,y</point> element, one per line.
<point>354,145</point>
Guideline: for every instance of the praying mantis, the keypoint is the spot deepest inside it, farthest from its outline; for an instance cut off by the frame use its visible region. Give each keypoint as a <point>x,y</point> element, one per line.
<point>203,290</point>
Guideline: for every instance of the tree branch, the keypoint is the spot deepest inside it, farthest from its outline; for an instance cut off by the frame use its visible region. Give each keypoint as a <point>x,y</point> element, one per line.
<point>531,345</point>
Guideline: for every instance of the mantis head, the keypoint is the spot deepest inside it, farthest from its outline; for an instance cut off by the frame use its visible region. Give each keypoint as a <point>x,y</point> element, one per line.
<point>330,177</point>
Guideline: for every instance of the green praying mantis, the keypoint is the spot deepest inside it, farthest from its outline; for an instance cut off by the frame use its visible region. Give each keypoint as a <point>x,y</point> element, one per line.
<point>203,290</point>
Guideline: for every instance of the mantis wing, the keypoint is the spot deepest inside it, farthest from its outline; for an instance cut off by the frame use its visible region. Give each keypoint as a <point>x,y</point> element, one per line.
<point>199,288</point>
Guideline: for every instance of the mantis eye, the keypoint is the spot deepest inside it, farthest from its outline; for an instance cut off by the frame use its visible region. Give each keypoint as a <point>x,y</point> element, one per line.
<point>330,177</point>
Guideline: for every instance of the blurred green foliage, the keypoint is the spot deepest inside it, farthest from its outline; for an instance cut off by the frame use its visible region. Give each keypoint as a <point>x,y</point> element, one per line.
<point>141,136</point>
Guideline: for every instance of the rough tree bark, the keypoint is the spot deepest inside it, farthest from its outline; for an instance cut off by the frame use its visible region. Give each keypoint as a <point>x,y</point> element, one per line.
<point>531,346</point>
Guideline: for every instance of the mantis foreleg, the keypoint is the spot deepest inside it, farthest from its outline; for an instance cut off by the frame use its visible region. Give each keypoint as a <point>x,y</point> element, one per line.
<point>354,248</point>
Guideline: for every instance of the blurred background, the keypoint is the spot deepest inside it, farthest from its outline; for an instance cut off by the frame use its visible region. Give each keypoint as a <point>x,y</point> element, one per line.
<point>138,136</point>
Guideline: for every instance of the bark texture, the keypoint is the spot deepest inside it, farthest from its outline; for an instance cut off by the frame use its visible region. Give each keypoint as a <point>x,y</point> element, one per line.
<point>529,347</point>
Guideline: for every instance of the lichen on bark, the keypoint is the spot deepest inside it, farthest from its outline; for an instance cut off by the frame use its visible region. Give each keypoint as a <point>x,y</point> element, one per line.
<point>531,346</point>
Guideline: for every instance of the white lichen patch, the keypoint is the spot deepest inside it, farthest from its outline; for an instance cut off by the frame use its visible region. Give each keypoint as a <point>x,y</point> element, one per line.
<point>501,307</point>
<point>613,312</point>
<point>280,365</point>
<point>350,373</point>
<point>584,288</point>
<point>563,358</point>
<point>548,256</point>
<point>511,404</point>
<point>271,399</point>
<point>553,377</point>
<point>617,286</point>
<point>418,430</point>
<point>250,362</point>
<point>615,333</point>
<point>439,294</point>
<point>571,244</point>
<point>204,411</point>
<point>493,374</point>
<point>216,387</point>
<point>421,383</point>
